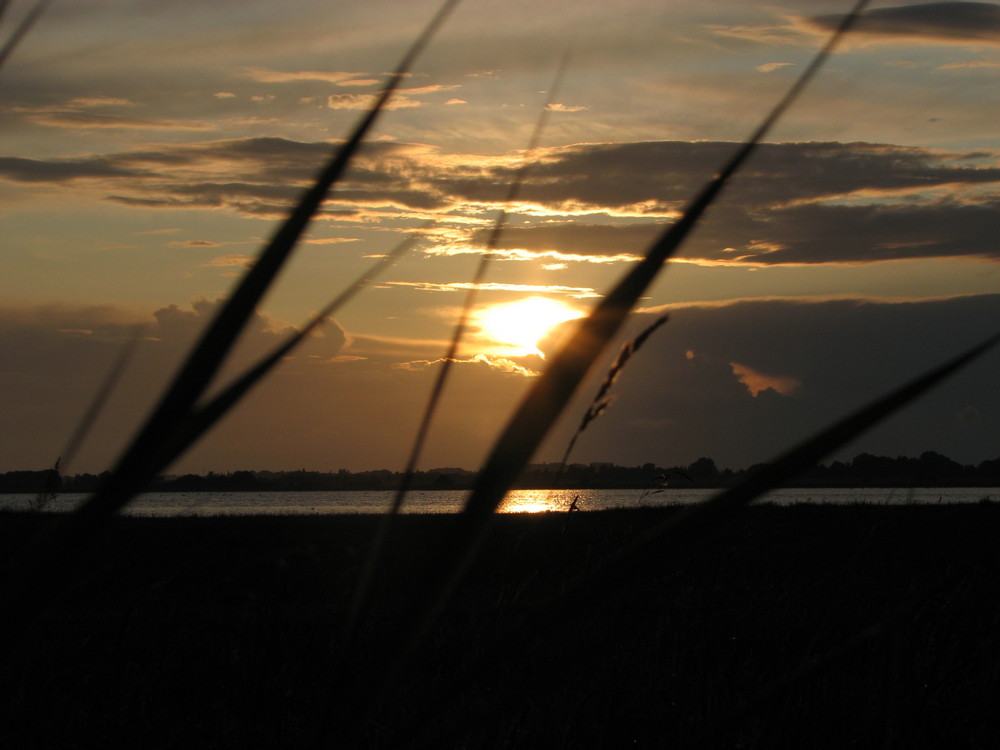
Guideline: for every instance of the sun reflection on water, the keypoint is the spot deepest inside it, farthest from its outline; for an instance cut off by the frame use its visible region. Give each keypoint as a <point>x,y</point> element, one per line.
<point>534,501</point>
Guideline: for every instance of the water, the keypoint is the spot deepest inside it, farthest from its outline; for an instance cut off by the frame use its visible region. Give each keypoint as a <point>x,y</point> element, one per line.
<point>518,501</point>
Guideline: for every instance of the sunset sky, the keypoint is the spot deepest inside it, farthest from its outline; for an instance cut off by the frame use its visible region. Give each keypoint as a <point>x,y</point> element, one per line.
<point>149,148</point>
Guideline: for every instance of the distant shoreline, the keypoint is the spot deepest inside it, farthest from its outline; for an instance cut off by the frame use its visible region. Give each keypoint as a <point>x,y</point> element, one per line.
<point>930,470</point>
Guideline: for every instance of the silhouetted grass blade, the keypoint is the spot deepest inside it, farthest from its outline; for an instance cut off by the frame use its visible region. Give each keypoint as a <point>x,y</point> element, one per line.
<point>545,402</point>
<point>601,401</point>
<point>29,578</point>
<point>22,28</point>
<point>547,399</point>
<point>138,465</point>
<point>372,560</point>
<point>101,398</point>
<point>679,532</point>
<point>205,416</point>
<point>806,454</point>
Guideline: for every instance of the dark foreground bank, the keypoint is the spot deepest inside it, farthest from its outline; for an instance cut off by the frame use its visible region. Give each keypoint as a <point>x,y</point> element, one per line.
<point>818,627</point>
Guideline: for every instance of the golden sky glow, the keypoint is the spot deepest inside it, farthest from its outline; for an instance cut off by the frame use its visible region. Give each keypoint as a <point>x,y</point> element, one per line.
<point>148,149</point>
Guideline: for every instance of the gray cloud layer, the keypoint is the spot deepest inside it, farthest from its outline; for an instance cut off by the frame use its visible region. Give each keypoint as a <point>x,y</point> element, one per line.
<point>796,203</point>
<point>681,397</point>
<point>947,21</point>
<point>684,395</point>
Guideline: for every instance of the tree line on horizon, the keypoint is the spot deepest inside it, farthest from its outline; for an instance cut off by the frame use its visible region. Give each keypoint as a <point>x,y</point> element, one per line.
<point>931,469</point>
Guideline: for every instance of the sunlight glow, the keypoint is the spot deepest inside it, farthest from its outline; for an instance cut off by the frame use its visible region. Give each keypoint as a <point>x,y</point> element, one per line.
<point>523,324</point>
<point>533,501</point>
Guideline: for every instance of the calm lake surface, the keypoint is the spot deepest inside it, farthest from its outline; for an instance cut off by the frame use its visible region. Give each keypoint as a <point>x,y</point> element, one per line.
<point>518,501</point>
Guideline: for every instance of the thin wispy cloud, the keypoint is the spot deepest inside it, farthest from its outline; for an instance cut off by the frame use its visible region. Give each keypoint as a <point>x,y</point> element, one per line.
<point>494,286</point>
<point>230,260</point>
<point>972,64</point>
<point>557,107</point>
<point>85,116</point>
<point>773,66</point>
<point>277,76</point>
<point>365,101</point>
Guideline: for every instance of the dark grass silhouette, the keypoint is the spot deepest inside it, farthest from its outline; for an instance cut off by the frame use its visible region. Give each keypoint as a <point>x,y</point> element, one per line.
<point>210,632</point>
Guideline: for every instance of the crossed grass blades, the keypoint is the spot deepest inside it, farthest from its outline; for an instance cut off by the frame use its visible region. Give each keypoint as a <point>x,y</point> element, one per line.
<point>182,415</point>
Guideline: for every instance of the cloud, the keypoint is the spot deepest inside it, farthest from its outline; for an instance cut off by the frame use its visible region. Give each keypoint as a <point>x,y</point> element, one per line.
<point>757,382</point>
<point>87,102</point>
<point>575,241</point>
<point>773,66</point>
<point>401,99</point>
<point>276,76</point>
<point>196,243</point>
<point>328,240</point>
<point>951,22</point>
<point>80,113</point>
<point>492,286</point>
<point>501,364</point>
<point>743,381</point>
<point>968,65</point>
<point>432,88</point>
<point>233,259</point>
<point>798,203</point>
<point>63,170</point>
<point>339,404</point>
<point>366,101</point>
<point>971,23</point>
<point>557,107</point>
<point>59,354</point>
<point>815,202</point>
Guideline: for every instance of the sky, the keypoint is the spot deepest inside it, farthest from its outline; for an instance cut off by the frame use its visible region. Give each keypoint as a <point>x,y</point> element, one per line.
<point>149,149</point>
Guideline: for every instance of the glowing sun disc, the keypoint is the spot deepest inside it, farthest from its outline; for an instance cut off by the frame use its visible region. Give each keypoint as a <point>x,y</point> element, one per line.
<point>524,323</point>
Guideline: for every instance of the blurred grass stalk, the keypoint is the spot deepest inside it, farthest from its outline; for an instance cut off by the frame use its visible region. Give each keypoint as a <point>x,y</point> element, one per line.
<point>551,393</point>
<point>177,420</point>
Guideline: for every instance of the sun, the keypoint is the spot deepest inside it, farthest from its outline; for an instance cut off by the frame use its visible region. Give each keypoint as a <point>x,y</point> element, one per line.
<point>521,325</point>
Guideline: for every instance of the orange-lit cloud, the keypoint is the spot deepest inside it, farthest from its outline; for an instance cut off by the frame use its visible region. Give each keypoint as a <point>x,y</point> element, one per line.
<point>277,76</point>
<point>899,202</point>
<point>557,107</point>
<point>970,64</point>
<point>233,259</point>
<point>365,102</point>
<point>328,240</point>
<point>771,67</point>
<point>756,382</point>
<point>501,364</point>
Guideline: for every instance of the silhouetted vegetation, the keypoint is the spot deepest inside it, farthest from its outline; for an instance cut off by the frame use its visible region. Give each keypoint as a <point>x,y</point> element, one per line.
<point>216,632</point>
<point>865,470</point>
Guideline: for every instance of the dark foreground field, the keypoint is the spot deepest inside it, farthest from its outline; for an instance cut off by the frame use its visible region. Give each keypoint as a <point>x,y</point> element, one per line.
<point>790,627</point>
